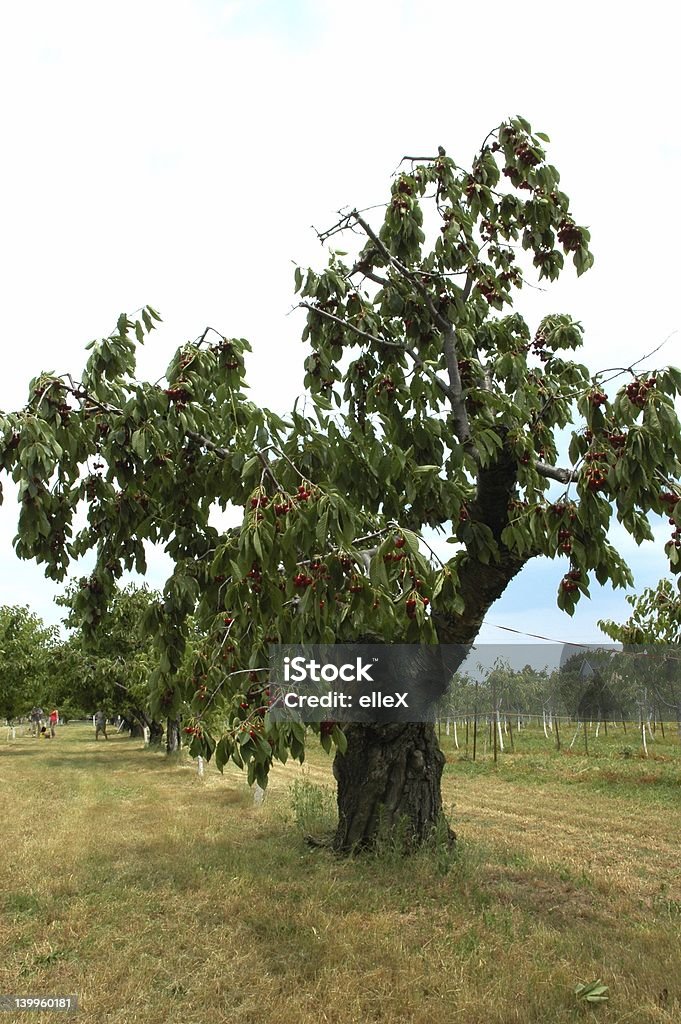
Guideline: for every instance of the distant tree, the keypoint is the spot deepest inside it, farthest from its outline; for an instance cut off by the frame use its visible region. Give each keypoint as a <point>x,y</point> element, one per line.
<point>431,403</point>
<point>655,617</point>
<point>26,645</point>
<point>652,644</point>
<point>112,667</point>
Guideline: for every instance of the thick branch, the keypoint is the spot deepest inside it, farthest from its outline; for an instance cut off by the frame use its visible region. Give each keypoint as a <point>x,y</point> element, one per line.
<point>480,586</point>
<point>563,476</point>
<point>480,583</point>
<point>461,427</point>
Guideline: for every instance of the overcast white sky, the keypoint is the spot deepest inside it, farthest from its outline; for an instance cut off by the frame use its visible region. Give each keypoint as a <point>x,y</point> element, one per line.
<point>176,153</point>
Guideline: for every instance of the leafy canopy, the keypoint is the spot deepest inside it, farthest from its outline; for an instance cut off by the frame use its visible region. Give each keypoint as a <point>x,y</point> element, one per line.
<point>26,647</point>
<point>432,404</point>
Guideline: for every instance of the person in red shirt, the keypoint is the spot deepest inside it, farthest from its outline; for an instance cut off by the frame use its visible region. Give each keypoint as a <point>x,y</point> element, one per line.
<point>54,719</point>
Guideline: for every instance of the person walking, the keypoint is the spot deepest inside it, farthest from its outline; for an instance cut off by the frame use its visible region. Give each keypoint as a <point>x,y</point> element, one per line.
<point>54,721</point>
<point>100,724</point>
<point>36,715</point>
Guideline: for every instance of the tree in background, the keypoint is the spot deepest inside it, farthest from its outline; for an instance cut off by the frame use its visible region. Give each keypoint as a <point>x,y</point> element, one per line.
<point>112,667</point>
<point>432,404</point>
<point>651,637</point>
<point>26,648</point>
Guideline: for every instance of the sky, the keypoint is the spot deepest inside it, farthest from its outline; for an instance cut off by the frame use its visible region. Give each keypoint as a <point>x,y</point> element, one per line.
<point>178,153</point>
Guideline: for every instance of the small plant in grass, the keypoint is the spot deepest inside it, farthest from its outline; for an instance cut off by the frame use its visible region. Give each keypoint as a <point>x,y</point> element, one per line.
<point>393,840</point>
<point>314,807</point>
<point>594,992</point>
<point>446,855</point>
<point>396,841</point>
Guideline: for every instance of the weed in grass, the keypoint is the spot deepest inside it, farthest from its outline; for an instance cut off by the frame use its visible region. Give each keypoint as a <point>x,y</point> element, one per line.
<point>668,908</point>
<point>314,807</point>
<point>21,903</point>
<point>469,944</point>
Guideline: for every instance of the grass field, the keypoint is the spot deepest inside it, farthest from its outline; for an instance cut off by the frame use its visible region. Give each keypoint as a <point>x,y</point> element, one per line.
<point>158,896</point>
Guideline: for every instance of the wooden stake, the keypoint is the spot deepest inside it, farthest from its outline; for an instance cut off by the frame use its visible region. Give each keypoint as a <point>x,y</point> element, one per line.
<point>643,734</point>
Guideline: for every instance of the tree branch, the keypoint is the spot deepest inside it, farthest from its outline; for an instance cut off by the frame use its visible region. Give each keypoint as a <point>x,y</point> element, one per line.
<point>563,476</point>
<point>418,362</point>
<point>455,393</point>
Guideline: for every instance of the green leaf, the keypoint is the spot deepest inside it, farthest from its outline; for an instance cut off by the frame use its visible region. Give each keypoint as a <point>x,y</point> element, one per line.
<point>595,992</point>
<point>340,739</point>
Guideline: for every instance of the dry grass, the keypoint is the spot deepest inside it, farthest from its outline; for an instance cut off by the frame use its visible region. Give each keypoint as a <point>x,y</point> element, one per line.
<point>157,896</point>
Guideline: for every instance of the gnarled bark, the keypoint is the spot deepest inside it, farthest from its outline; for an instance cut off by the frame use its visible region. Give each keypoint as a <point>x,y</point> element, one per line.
<point>388,783</point>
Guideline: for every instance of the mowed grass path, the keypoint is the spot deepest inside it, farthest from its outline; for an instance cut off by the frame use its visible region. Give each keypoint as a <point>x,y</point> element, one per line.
<point>157,896</point>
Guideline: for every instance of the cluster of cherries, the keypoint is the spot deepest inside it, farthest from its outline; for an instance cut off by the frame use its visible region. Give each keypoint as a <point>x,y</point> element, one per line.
<point>637,391</point>
<point>386,384</point>
<point>400,202</point>
<point>617,439</point>
<point>570,581</point>
<point>396,556</point>
<point>226,347</point>
<point>91,584</point>
<point>561,507</point>
<point>179,395</point>
<point>569,235</point>
<point>596,479</point>
<point>412,602</point>
<point>526,155</point>
<point>255,576</point>
<point>539,347</point>
<point>488,289</point>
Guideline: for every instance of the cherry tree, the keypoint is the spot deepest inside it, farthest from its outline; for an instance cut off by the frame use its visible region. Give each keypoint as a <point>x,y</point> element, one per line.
<point>432,405</point>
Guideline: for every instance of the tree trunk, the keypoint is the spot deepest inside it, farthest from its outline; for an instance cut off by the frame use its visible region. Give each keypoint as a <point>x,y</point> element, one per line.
<point>389,778</point>
<point>155,733</point>
<point>173,736</point>
<point>388,785</point>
